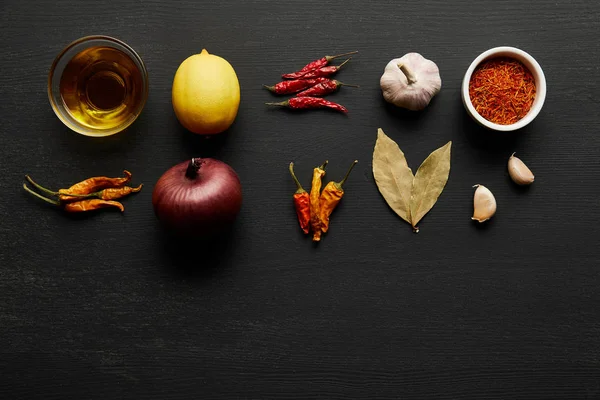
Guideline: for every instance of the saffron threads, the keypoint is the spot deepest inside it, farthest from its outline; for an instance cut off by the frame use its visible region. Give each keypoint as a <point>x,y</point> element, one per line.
<point>502,90</point>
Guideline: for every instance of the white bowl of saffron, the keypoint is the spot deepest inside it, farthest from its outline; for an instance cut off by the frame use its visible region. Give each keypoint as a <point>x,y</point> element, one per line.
<point>504,89</point>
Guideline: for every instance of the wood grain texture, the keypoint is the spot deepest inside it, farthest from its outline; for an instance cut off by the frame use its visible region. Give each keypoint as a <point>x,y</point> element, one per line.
<point>107,307</point>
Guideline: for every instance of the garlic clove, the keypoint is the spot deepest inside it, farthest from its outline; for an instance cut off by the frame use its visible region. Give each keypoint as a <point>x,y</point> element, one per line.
<point>484,204</point>
<point>410,81</point>
<point>519,172</point>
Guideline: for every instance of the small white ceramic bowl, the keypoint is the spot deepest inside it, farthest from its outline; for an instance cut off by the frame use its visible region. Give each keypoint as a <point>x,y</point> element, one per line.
<point>534,68</point>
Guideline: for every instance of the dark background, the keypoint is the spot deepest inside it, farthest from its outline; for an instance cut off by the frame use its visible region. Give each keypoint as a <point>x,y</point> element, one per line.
<point>105,306</point>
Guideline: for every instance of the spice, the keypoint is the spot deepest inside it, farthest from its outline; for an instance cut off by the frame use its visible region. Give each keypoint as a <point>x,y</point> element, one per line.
<point>411,197</point>
<point>95,184</point>
<point>90,194</point>
<point>410,81</point>
<point>330,198</point>
<point>502,90</point>
<point>484,204</point>
<point>298,103</point>
<point>393,177</point>
<point>313,82</point>
<point>430,180</point>
<point>117,193</point>
<point>315,201</point>
<point>324,71</point>
<point>301,203</point>
<point>519,172</point>
<point>80,205</point>
<point>113,193</point>
<point>92,204</point>
<point>296,85</point>
<point>321,62</point>
<point>323,88</point>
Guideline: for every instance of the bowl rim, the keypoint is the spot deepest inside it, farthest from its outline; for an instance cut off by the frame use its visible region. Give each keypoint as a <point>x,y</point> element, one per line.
<point>74,126</point>
<point>540,83</point>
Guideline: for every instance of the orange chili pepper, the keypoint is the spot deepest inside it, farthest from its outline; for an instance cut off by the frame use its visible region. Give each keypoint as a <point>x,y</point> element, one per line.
<point>87,195</point>
<point>95,184</point>
<point>81,205</point>
<point>301,203</point>
<point>315,205</point>
<point>92,204</point>
<point>116,193</point>
<point>330,198</point>
<point>111,193</point>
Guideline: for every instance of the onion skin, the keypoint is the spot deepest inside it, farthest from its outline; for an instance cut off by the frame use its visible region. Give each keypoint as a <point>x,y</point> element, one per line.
<point>198,198</point>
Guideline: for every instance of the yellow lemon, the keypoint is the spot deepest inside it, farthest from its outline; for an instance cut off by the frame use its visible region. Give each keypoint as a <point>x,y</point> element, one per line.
<point>206,93</point>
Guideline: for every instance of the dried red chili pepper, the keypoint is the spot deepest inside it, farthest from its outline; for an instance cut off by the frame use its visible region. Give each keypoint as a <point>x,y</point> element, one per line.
<point>287,87</point>
<point>315,203</point>
<point>323,88</point>
<point>80,205</point>
<point>309,102</point>
<point>324,71</point>
<point>330,198</point>
<point>301,203</point>
<point>321,62</point>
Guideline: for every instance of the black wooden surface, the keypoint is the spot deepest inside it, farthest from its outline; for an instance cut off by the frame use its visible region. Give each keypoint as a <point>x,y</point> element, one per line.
<point>106,306</point>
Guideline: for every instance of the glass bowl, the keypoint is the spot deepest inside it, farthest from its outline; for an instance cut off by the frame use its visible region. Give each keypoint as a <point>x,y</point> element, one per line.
<point>127,113</point>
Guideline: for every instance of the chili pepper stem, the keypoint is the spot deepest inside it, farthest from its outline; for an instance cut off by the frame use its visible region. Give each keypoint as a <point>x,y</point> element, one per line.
<point>408,73</point>
<point>347,84</point>
<point>329,58</point>
<point>270,88</point>
<point>300,188</point>
<point>282,104</point>
<point>348,173</point>
<point>342,64</point>
<point>39,196</point>
<point>39,187</point>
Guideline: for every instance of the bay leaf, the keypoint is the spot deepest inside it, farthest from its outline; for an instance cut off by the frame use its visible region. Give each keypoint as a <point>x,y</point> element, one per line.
<point>393,176</point>
<point>429,182</point>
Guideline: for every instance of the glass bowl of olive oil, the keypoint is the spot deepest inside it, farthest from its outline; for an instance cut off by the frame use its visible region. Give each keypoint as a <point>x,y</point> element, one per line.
<point>98,86</point>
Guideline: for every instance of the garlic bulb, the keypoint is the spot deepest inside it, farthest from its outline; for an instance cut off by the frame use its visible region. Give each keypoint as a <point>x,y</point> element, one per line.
<point>410,81</point>
<point>484,204</point>
<point>518,171</point>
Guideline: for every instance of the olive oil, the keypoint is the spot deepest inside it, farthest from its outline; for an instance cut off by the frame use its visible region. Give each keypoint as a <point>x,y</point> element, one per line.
<point>102,87</point>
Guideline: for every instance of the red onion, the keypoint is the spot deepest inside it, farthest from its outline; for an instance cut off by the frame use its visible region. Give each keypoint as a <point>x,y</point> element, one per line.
<point>200,197</point>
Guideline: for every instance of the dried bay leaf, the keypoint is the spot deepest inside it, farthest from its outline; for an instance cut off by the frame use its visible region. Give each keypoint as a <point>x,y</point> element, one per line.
<point>393,176</point>
<point>429,182</point>
<point>410,196</point>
